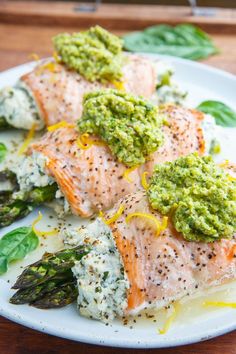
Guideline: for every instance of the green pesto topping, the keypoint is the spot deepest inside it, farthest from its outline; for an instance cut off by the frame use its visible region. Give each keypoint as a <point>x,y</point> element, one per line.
<point>198,195</point>
<point>96,54</point>
<point>129,125</point>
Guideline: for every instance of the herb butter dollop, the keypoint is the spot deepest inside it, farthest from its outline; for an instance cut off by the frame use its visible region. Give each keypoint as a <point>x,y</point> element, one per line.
<point>131,126</point>
<point>101,278</point>
<point>198,195</point>
<point>96,54</point>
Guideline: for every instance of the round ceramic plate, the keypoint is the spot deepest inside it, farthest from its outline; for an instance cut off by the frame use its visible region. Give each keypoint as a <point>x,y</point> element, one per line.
<point>194,323</point>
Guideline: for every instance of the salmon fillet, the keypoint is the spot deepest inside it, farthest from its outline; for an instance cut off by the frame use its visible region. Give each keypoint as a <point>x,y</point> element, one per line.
<point>92,180</point>
<point>59,92</point>
<point>166,268</point>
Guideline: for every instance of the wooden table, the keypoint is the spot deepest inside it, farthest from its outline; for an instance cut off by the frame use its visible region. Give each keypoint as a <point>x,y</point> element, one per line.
<point>18,42</point>
<point>15,339</point>
<point>28,28</point>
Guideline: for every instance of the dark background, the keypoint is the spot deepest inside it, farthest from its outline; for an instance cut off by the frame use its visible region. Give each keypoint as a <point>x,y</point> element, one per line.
<point>214,3</point>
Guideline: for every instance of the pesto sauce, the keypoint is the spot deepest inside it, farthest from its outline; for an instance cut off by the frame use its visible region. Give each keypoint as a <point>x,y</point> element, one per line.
<point>129,125</point>
<point>96,54</point>
<point>198,195</point>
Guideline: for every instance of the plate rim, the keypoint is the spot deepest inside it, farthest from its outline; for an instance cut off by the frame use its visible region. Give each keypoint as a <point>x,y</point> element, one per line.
<point>117,342</point>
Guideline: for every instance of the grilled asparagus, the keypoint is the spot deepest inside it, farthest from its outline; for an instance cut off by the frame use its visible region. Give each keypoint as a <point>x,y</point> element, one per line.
<point>31,294</point>
<point>51,266</point>
<point>49,283</point>
<point>14,204</point>
<point>62,295</point>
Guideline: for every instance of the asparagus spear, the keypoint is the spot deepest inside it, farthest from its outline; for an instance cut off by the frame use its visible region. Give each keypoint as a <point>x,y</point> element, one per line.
<point>49,283</point>
<point>8,175</point>
<point>12,211</point>
<point>51,266</point>
<point>15,206</point>
<point>29,295</point>
<point>62,295</point>
<point>5,196</point>
<point>10,179</point>
<point>3,123</point>
<point>39,195</point>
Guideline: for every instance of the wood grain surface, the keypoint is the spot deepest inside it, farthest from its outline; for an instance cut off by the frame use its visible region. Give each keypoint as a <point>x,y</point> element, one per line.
<point>18,42</point>
<point>19,38</point>
<point>16,339</point>
<point>112,16</point>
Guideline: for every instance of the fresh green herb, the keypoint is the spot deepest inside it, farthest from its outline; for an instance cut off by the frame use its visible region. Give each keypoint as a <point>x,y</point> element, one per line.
<point>105,275</point>
<point>215,147</point>
<point>198,195</point>
<point>15,245</point>
<point>165,79</point>
<point>131,126</point>
<point>222,113</point>
<point>184,40</point>
<point>3,151</point>
<point>3,123</point>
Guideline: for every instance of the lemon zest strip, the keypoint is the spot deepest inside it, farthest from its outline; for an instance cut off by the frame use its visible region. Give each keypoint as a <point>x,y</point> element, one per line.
<point>34,56</point>
<point>98,143</point>
<point>220,304</point>
<point>101,215</point>
<point>28,139</point>
<point>148,216</point>
<point>164,224</point>
<point>50,66</point>
<point>85,143</point>
<point>42,233</point>
<point>114,217</point>
<point>231,178</point>
<point>144,180</point>
<point>127,173</point>
<point>94,142</point>
<point>62,124</point>
<point>170,319</point>
<point>224,163</point>
<point>119,85</point>
<point>56,57</point>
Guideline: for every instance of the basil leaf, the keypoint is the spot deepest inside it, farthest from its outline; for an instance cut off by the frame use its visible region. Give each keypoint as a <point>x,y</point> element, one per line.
<point>15,245</point>
<point>222,113</point>
<point>184,40</point>
<point>3,151</point>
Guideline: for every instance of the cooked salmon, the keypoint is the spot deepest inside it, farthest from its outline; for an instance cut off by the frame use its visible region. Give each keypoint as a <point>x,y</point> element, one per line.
<point>59,92</point>
<point>165,268</point>
<point>92,179</point>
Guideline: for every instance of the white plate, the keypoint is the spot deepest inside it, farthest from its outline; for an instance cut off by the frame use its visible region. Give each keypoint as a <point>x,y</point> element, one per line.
<point>203,83</point>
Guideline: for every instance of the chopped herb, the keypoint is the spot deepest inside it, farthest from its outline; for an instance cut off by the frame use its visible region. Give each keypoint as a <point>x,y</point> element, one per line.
<point>3,151</point>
